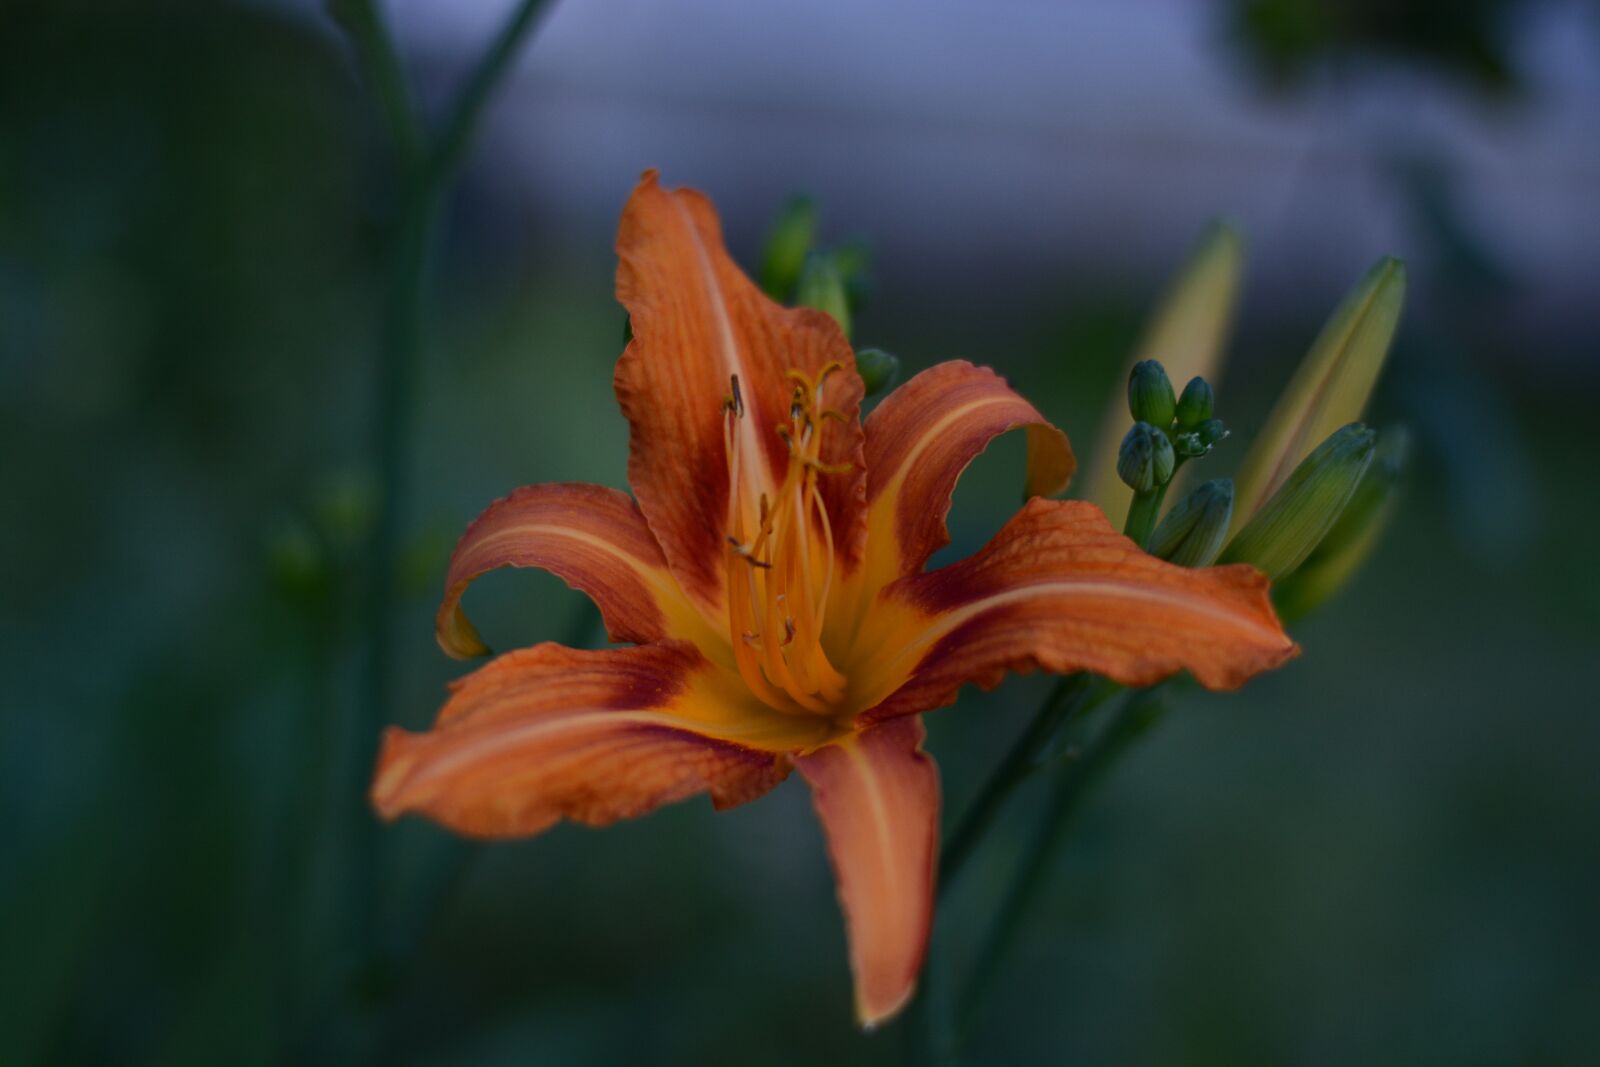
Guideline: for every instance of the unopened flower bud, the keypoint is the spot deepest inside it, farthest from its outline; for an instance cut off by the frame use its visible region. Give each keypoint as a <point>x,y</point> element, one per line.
<point>1195,405</point>
<point>822,287</point>
<point>1329,389</point>
<point>1150,396</point>
<point>1187,332</point>
<point>1197,442</point>
<point>1192,533</point>
<point>1136,458</point>
<point>878,369</point>
<point>1166,460</point>
<point>1353,537</point>
<point>1296,518</point>
<point>787,246</point>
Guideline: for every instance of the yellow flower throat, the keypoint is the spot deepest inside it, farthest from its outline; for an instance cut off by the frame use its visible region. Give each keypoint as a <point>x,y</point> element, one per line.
<point>780,554</point>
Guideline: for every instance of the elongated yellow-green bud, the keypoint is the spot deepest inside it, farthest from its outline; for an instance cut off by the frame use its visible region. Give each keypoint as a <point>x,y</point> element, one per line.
<point>788,244</point>
<point>1186,333</point>
<point>1150,396</point>
<point>822,287</point>
<point>1299,515</point>
<point>1329,389</point>
<point>1351,540</point>
<point>1192,533</point>
<point>878,369</point>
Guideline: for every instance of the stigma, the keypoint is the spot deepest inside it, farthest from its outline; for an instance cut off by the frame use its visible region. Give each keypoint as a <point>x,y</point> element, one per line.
<point>780,552</point>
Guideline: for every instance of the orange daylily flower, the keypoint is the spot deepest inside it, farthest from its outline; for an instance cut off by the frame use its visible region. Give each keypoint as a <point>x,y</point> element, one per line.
<point>769,576</point>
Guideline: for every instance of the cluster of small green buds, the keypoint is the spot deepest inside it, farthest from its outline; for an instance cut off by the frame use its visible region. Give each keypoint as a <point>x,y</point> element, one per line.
<point>1296,518</point>
<point>1146,459</point>
<point>1192,533</point>
<point>1185,422</point>
<point>1168,432</point>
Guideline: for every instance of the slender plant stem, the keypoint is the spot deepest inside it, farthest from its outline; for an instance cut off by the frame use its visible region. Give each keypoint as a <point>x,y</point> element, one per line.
<point>1071,783</point>
<point>426,168</point>
<point>1064,700</point>
<point>461,125</point>
<point>1143,513</point>
<point>928,1040</point>
<point>364,24</point>
<point>397,365</point>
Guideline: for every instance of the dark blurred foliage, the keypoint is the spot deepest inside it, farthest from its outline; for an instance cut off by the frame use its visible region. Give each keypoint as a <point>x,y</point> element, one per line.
<point>1287,39</point>
<point>1385,853</point>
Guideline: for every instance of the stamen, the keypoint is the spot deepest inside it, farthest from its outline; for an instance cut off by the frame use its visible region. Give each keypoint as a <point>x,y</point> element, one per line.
<point>776,605</point>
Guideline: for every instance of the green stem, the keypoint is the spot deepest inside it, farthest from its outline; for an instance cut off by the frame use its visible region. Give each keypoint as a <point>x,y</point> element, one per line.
<point>1070,786</point>
<point>1069,698</point>
<point>379,61</point>
<point>398,357</point>
<point>1143,513</point>
<point>466,114</point>
<point>425,174</point>
<point>1065,700</point>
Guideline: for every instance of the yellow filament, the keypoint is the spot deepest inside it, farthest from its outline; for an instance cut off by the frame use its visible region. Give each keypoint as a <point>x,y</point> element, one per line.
<point>775,605</point>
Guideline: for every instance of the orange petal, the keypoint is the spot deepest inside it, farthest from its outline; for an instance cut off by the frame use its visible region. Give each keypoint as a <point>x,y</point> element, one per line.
<point>922,437</point>
<point>546,733</point>
<point>698,322</point>
<point>1058,588</point>
<point>877,795</point>
<point>591,537</point>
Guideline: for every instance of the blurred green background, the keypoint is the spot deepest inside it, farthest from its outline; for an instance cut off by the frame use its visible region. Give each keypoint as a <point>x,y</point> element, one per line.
<point>1385,853</point>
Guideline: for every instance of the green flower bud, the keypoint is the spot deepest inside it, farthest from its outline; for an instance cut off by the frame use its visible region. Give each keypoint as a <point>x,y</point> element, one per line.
<point>822,287</point>
<point>1150,396</point>
<point>878,369</point>
<point>1192,533</point>
<point>1296,518</point>
<point>1166,460</point>
<point>1353,537</point>
<point>787,246</point>
<point>1136,458</point>
<point>1194,406</point>
<point>1331,386</point>
<point>1197,442</point>
<point>1187,332</point>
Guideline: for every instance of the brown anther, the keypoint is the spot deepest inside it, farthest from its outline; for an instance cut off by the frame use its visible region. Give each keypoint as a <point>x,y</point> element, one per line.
<point>788,632</point>
<point>737,398</point>
<point>838,416</point>
<point>743,552</point>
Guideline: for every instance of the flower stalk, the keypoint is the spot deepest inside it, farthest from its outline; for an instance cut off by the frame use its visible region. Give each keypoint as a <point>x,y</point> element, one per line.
<point>426,165</point>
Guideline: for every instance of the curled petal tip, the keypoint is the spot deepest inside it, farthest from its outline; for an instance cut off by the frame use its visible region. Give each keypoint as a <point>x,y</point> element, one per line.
<point>457,636</point>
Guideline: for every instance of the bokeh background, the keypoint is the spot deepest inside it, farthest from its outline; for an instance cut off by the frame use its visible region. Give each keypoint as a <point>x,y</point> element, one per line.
<point>1385,853</point>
